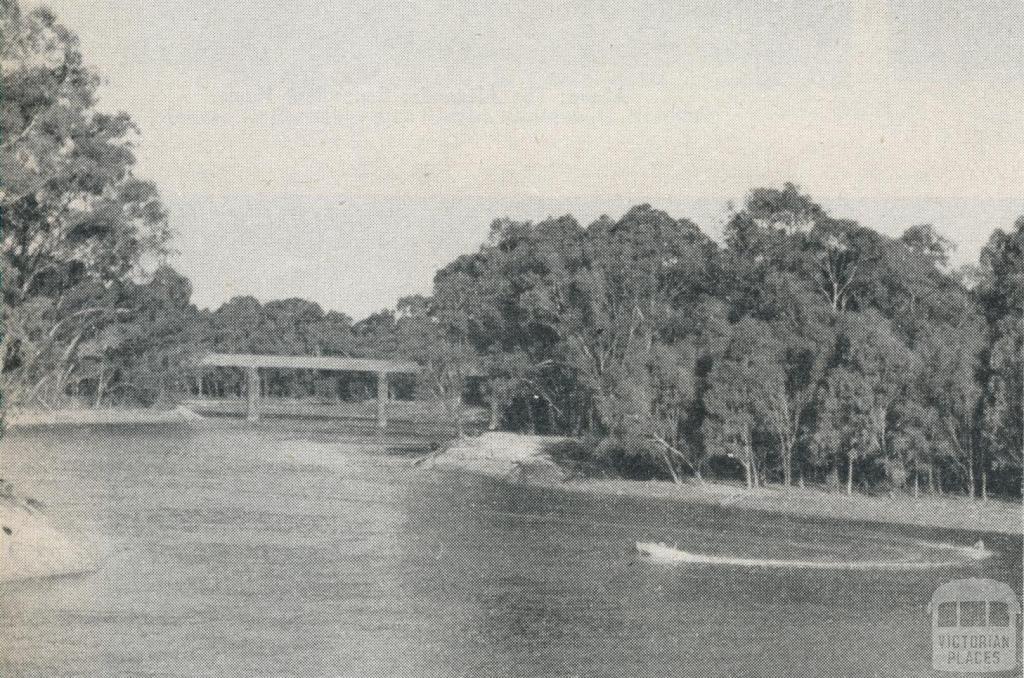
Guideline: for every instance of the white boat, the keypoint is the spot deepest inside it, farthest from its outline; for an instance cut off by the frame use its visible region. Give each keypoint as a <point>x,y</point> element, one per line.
<point>664,553</point>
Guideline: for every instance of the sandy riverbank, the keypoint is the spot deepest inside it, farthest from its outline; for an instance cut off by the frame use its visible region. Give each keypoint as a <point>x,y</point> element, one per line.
<point>522,458</point>
<point>31,546</point>
<point>24,419</point>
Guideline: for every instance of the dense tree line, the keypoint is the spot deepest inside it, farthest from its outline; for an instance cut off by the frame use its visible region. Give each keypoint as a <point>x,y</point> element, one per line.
<point>805,347</point>
<point>801,348</point>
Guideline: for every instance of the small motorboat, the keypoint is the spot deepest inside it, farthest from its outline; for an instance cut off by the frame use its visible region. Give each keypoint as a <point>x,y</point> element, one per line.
<point>672,554</point>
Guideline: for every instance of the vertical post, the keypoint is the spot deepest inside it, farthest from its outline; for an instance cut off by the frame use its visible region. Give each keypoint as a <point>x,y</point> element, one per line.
<point>382,400</point>
<point>252,393</point>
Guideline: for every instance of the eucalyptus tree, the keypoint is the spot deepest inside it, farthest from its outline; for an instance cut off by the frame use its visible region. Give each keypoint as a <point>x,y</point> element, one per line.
<point>74,214</point>
<point>737,401</point>
<point>951,360</point>
<point>1001,295</point>
<point>869,376</point>
<point>768,274</point>
<point>148,356</point>
<point>503,302</point>
<point>841,260</point>
<point>643,273</point>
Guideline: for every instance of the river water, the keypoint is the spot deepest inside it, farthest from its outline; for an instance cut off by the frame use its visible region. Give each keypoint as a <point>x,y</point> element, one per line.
<point>279,552</point>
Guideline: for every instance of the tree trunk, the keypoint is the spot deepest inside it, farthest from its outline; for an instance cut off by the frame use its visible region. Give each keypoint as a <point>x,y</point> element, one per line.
<point>549,408</point>
<point>917,484</point>
<point>984,484</point>
<point>671,467</point>
<point>750,467</point>
<point>460,429</point>
<point>849,475</point>
<point>970,480</point>
<point>100,387</point>
<point>746,475</point>
<point>492,425</point>
<point>787,465</point>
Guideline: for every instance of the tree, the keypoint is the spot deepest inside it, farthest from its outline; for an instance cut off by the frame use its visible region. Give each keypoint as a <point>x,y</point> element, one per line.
<point>869,376</point>
<point>149,352</point>
<point>840,260</point>
<point>791,384</point>
<point>764,249</point>
<point>74,214</point>
<point>672,397</point>
<point>736,404</point>
<point>845,423</point>
<point>787,209</point>
<point>924,240</point>
<point>455,307</point>
<point>913,286</point>
<point>1001,296</point>
<point>951,360</point>
<point>643,271</point>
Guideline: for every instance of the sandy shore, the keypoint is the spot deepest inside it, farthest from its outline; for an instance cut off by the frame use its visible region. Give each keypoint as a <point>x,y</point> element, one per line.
<point>522,457</point>
<point>32,547</point>
<point>22,419</point>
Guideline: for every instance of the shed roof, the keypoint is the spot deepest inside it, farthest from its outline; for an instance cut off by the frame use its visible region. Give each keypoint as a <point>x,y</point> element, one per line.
<point>295,362</point>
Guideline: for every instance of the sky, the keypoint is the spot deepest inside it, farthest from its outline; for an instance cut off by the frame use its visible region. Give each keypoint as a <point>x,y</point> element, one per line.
<point>343,152</point>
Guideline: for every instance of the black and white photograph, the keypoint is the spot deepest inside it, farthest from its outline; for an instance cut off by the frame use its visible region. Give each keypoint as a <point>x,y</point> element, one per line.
<point>439,339</point>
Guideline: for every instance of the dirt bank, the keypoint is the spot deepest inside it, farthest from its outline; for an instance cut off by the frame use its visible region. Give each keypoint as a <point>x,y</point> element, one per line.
<point>522,458</point>
<point>502,455</point>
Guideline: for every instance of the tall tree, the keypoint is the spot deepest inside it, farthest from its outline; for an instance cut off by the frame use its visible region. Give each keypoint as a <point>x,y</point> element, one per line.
<point>1001,295</point>
<point>951,361</point>
<point>870,375</point>
<point>74,214</point>
<point>841,260</point>
<point>737,404</point>
<point>793,382</point>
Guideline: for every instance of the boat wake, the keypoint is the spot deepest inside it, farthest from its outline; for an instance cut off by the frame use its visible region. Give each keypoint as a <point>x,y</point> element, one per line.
<point>664,553</point>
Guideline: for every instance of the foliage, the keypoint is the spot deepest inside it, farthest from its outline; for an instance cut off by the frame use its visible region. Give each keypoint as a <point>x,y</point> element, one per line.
<point>78,225</point>
<point>808,345</point>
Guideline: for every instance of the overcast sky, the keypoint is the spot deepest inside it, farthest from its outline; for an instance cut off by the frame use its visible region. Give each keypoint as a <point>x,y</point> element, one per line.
<point>343,151</point>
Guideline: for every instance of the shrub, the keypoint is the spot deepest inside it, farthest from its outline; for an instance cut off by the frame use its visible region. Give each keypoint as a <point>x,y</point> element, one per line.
<point>631,458</point>
<point>578,457</point>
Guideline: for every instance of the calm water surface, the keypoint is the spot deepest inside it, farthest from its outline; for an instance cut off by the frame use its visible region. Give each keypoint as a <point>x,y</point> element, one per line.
<point>275,552</point>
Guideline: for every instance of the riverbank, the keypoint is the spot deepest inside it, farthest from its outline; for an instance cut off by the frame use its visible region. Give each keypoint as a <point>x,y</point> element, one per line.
<point>25,419</point>
<point>31,546</point>
<point>523,458</point>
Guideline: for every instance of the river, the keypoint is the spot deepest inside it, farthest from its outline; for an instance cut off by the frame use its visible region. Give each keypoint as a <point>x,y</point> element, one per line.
<point>284,552</point>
